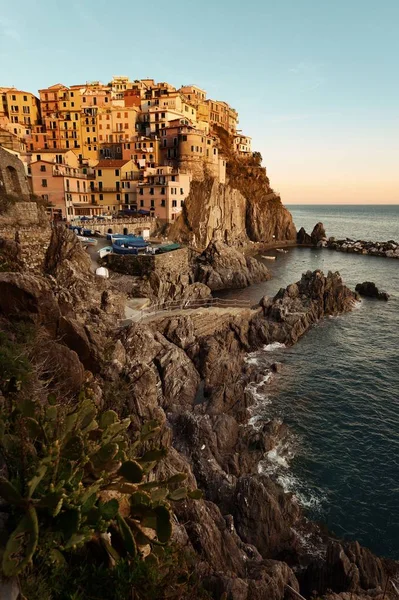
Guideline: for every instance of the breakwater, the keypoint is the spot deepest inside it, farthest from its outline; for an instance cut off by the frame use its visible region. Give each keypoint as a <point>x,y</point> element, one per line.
<point>388,249</point>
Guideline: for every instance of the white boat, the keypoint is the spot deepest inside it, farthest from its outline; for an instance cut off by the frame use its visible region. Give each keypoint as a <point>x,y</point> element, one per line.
<point>269,257</point>
<point>282,251</point>
<point>105,251</point>
<point>86,240</point>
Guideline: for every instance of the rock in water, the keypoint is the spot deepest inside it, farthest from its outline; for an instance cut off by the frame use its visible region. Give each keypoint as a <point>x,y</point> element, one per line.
<point>318,234</point>
<point>302,237</point>
<point>370,290</point>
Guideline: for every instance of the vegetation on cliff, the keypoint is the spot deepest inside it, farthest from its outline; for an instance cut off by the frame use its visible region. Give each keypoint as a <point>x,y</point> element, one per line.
<point>65,359</point>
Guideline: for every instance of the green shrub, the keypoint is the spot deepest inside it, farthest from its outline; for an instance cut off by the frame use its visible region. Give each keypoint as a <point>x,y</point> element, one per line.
<point>69,475</point>
<point>14,365</point>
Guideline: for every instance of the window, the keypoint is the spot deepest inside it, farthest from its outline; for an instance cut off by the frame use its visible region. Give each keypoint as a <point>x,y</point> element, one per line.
<point>117,172</point>
<point>45,196</point>
<point>163,203</point>
<point>118,197</point>
<point>192,148</point>
<point>152,203</point>
<point>174,203</point>
<point>25,98</point>
<point>152,191</point>
<point>162,115</point>
<point>38,157</point>
<point>101,196</point>
<point>99,172</point>
<point>184,138</point>
<point>13,97</point>
<point>181,191</point>
<point>44,182</point>
<point>163,191</point>
<point>93,198</point>
<point>84,99</point>
<point>141,192</point>
<point>42,167</point>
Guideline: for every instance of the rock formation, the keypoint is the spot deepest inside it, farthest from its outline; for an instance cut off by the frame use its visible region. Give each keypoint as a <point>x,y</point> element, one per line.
<point>222,267</point>
<point>188,372</point>
<point>370,290</point>
<point>316,238</point>
<point>388,249</point>
<point>242,210</point>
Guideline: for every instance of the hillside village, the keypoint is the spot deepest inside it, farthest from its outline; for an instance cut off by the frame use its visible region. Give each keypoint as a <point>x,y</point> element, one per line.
<point>94,149</point>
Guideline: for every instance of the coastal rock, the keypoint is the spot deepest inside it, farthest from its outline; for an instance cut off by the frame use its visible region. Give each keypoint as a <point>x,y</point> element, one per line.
<point>318,234</point>
<point>303,238</point>
<point>243,209</point>
<point>28,297</point>
<point>223,267</point>
<point>348,567</point>
<point>388,249</point>
<point>370,290</point>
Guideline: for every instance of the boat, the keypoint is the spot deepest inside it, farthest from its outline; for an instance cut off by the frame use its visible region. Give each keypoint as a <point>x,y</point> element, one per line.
<point>269,257</point>
<point>282,251</point>
<point>167,248</point>
<point>87,241</point>
<point>105,251</point>
<point>129,245</point>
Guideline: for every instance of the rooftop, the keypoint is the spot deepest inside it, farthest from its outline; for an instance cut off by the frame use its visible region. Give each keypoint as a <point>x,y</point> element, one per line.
<point>110,163</point>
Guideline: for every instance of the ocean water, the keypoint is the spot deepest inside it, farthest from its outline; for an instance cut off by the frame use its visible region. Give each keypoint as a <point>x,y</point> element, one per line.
<point>339,387</point>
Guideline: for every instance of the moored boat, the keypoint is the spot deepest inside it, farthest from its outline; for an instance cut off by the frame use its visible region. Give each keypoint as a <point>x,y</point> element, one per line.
<point>87,241</point>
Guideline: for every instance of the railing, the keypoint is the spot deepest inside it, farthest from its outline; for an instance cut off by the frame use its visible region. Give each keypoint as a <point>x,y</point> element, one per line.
<point>157,309</point>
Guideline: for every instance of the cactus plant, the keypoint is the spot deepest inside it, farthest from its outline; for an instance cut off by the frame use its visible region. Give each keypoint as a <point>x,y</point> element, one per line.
<point>61,465</point>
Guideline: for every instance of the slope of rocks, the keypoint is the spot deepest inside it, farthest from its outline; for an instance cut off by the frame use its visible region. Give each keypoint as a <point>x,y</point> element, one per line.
<point>193,379</point>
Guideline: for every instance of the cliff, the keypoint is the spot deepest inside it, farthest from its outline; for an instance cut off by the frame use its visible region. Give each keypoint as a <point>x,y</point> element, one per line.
<point>244,209</point>
<point>188,371</point>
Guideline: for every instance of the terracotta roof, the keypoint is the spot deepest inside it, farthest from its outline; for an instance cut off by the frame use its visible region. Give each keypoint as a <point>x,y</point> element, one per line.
<point>102,164</point>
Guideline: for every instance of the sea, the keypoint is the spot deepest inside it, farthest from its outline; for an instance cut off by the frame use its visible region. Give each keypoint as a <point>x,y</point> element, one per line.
<point>338,389</point>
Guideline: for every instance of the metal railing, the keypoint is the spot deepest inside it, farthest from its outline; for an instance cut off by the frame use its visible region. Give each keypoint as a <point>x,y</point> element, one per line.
<point>177,305</point>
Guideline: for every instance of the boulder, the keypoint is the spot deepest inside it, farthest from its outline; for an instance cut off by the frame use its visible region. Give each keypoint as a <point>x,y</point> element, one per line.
<point>370,290</point>
<point>223,267</point>
<point>28,297</point>
<point>303,238</point>
<point>318,234</point>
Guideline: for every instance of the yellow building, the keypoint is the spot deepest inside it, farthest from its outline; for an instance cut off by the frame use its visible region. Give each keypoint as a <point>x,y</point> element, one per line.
<point>21,107</point>
<point>107,189</point>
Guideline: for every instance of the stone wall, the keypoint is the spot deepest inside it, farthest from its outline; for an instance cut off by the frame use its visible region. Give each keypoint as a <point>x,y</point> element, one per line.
<point>176,261</point>
<point>13,180</point>
<point>26,224</point>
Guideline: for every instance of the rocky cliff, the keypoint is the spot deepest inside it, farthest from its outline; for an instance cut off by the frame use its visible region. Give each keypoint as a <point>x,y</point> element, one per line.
<point>188,371</point>
<point>244,209</point>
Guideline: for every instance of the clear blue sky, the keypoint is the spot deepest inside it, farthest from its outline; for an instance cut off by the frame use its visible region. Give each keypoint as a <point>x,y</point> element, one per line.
<point>315,81</point>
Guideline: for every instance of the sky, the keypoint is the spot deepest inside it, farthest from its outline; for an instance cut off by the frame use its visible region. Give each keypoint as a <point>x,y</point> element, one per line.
<point>315,82</point>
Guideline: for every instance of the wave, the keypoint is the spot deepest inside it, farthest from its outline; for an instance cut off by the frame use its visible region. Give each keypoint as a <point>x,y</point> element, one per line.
<point>273,346</point>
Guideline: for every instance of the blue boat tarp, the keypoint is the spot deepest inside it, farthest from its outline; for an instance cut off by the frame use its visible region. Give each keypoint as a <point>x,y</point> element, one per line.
<point>168,248</point>
<point>128,245</point>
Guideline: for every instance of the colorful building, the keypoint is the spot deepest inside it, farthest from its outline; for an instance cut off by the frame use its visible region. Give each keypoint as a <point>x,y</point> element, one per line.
<point>242,144</point>
<point>163,192</point>
<point>107,189</point>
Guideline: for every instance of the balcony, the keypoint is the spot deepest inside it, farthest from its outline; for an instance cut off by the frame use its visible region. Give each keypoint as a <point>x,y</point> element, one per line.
<point>135,176</point>
<point>104,190</point>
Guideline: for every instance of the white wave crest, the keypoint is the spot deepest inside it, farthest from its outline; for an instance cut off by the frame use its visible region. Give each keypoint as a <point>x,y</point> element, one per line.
<point>273,346</point>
